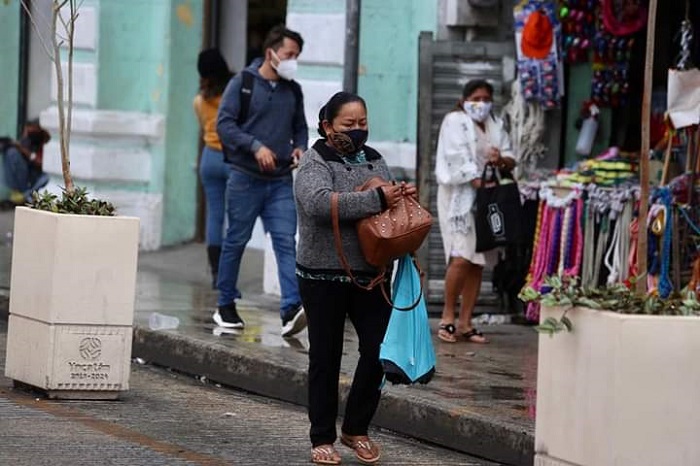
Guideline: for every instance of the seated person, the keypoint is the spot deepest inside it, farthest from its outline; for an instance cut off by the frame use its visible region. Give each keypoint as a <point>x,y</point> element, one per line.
<point>22,163</point>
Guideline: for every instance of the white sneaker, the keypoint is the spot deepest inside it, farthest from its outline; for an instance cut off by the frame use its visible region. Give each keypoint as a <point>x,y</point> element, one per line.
<point>295,324</point>
<point>227,317</point>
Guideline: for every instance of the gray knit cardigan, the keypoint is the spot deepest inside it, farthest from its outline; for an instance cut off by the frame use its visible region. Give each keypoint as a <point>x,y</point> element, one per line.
<point>321,172</point>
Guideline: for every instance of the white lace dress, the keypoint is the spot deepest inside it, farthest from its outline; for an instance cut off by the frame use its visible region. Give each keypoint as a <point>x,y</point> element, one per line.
<point>462,153</point>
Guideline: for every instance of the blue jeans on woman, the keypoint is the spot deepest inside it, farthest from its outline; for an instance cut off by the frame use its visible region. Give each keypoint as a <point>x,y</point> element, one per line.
<point>272,200</point>
<point>213,172</point>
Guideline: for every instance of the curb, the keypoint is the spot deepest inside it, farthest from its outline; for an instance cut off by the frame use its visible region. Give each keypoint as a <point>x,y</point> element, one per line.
<point>470,434</point>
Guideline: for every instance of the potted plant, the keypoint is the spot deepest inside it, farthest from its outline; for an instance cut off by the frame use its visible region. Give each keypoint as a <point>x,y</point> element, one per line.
<point>73,273</point>
<point>617,377</point>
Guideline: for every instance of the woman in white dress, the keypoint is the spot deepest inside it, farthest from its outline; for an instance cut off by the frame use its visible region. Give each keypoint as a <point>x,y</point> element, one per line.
<point>471,138</point>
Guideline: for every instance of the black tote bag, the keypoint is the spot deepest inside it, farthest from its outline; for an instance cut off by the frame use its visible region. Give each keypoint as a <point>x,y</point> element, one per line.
<point>499,213</point>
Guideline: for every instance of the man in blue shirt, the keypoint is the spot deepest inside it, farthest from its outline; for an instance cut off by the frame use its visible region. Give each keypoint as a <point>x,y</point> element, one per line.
<point>263,132</point>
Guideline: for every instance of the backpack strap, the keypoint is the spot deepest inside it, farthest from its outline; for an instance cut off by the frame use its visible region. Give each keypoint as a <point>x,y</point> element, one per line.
<point>246,93</point>
<point>296,88</point>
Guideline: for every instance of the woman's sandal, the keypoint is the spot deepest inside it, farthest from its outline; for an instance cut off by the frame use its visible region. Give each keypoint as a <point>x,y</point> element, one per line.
<point>325,454</point>
<point>446,333</point>
<point>474,336</point>
<point>366,451</point>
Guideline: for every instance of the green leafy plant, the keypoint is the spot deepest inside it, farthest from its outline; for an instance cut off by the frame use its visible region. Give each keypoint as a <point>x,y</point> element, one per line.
<point>75,202</point>
<point>565,292</point>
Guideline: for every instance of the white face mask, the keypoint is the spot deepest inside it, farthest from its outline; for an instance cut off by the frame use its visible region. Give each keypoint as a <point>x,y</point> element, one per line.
<point>478,111</point>
<point>286,69</point>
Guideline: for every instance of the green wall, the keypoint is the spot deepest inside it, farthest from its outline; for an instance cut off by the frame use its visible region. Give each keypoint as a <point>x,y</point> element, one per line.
<point>147,63</point>
<point>388,78</point>
<point>579,90</point>
<point>9,64</point>
<point>133,55</point>
<point>182,131</point>
<point>316,6</point>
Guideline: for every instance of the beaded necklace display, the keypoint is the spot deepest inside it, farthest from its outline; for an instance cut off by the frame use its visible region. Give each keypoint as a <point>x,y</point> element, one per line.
<point>535,240</point>
<point>600,248</point>
<point>578,252</point>
<point>632,270</point>
<point>589,248</point>
<point>665,284</point>
<point>564,240</point>
<point>653,252</point>
<point>555,239</point>
<point>539,257</point>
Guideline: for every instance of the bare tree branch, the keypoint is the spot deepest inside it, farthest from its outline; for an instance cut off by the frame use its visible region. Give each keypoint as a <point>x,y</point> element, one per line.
<point>64,121</point>
<point>44,45</point>
<point>65,106</point>
<point>42,20</point>
<point>71,37</point>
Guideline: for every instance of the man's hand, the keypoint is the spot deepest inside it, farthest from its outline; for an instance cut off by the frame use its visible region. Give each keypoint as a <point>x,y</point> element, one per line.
<point>267,160</point>
<point>296,156</point>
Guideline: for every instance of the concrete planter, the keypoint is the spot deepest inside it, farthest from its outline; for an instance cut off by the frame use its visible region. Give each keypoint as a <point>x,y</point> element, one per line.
<point>72,303</point>
<point>619,390</point>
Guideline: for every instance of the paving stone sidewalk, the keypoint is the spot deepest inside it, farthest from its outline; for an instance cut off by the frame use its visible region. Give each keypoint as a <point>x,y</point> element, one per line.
<point>481,401</point>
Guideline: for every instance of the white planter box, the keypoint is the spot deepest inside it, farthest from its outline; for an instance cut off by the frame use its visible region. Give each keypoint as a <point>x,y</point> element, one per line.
<point>619,390</point>
<point>72,297</point>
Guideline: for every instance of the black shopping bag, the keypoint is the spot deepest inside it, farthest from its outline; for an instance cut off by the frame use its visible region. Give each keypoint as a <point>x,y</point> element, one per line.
<point>499,213</point>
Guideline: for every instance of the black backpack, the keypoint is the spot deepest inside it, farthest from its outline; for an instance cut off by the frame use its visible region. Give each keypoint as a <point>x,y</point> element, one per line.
<point>246,93</point>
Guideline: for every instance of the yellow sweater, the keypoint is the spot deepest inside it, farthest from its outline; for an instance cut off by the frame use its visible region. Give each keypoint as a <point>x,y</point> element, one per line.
<point>206,111</point>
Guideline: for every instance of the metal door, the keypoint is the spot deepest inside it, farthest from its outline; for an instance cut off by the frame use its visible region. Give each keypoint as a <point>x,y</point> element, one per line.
<point>444,68</point>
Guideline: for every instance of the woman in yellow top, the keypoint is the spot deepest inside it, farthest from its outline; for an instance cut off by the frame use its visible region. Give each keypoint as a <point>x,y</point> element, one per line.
<point>214,74</point>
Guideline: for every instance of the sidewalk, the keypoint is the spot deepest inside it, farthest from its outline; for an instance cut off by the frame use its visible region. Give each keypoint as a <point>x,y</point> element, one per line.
<point>481,400</point>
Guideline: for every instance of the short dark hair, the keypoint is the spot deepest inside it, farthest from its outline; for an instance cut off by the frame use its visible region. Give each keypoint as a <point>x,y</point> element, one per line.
<point>475,84</point>
<point>332,108</point>
<point>276,36</point>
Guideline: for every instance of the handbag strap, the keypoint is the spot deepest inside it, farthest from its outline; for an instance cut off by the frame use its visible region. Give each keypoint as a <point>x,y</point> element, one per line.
<point>335,218</point>
<point>421,274</point>
<point>495,174</point>
<point>379,279</point>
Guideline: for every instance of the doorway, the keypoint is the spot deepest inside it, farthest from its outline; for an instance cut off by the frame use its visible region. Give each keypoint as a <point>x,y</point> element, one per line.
<point>238,29</point>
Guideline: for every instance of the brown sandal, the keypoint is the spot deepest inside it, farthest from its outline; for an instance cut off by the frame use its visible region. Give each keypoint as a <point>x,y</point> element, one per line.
<point>325,454</point>
<point>366,451</point>
<point>446,333</point>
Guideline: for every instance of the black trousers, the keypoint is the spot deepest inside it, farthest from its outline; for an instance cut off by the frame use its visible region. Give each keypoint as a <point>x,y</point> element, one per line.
<point>327,303</point>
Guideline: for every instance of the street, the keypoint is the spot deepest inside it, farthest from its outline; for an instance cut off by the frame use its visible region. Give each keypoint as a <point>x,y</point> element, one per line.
<point>173,419</point>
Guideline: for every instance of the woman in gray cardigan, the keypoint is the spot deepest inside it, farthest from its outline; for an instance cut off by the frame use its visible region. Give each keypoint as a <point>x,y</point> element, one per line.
<point>340,162</point>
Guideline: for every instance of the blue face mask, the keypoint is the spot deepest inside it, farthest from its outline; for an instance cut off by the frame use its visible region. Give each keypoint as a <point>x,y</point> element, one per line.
<point>349,142</point>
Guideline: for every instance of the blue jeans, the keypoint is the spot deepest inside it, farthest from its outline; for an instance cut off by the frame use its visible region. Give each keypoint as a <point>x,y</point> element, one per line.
<point>213,172</point>
<point>273,201</point>
<point>21,175</point>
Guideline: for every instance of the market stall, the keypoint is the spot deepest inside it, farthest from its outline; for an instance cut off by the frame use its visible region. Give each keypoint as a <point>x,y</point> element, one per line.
<point>623,211</point>
<point>615,251</point>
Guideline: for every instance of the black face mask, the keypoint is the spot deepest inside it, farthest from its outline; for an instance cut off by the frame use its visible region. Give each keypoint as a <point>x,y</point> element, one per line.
<point>349,142</point>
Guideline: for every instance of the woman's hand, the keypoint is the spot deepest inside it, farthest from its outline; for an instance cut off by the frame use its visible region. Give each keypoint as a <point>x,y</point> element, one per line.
<point>494,155</point>
<point>498,161</point>
<point>392,194</point>
<point>409,189</point>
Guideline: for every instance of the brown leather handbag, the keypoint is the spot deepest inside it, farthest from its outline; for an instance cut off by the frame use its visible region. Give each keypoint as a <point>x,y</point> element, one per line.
<point>385,236</point>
